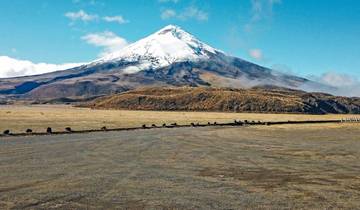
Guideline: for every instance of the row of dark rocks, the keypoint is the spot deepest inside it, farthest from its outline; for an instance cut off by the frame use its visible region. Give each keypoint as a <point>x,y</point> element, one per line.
<point>104,128</point>
<point>173,125</point>
<point>29,131</point>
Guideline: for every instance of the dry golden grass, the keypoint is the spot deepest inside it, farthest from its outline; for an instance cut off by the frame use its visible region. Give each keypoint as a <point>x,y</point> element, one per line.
<point>255,100</point>
<point>39,117</point>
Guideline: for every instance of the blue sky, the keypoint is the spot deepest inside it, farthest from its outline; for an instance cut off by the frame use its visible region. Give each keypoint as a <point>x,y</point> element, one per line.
<point>307,37</point>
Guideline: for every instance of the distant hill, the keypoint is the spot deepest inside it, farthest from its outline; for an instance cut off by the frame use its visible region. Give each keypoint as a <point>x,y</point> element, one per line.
<point>258,99</point>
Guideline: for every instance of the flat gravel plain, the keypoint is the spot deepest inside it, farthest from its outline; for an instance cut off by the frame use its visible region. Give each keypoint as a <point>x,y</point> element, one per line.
<point>258,167</point>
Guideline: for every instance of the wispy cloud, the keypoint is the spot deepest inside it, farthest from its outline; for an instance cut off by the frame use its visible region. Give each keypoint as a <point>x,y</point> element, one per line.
<point>338,80</point>
<point>11,67</point>
<point>259,18</point>
<point>260,10</point>
<point>107,40</point>
<point>168,13</point>
<point>337,84</point>
<point>81,15</point>
<point>191,12</point>
<point>257,54</point>
<point>118,19</point>
<point>165,1</point>
<point>86,17</point>
<point>89,2</point>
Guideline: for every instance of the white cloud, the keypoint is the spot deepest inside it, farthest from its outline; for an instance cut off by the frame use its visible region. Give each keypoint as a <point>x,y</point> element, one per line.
<point>108,40</point>
<point>85,17</point>
<point>81,15</point>
<point>11,67</point>
<point>118,19</point>
<point>338,80</point>
<point>168,13</point>
<point>337,84</point>
<point>256,54</point>
<point>188,13</point>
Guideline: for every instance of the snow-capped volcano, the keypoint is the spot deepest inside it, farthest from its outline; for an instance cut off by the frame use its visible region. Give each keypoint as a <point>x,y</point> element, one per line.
<point>168,57</point>
<point>169,45</point>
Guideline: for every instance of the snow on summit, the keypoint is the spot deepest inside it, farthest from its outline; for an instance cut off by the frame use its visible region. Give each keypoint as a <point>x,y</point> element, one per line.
<point>164,47</point>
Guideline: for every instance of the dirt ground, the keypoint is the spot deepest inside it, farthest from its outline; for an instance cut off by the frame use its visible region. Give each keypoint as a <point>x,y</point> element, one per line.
<point>257,167</point>
<point>18,119</point>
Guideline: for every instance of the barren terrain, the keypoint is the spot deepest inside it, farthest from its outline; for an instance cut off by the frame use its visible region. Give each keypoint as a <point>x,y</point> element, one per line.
<point>258,167</point>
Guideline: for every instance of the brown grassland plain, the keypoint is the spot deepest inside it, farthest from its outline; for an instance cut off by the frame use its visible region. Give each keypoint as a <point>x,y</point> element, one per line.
<point>313,166</point>
<point>18,118</point>
<point>256,167</point>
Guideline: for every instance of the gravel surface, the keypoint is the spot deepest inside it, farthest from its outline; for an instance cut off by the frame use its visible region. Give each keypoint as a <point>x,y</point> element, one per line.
<point>276,167</point>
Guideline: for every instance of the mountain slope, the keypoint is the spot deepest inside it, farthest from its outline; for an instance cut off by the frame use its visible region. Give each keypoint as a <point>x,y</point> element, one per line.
<point>258,99</point>
<point>163,48</point>
<point>169,57</point>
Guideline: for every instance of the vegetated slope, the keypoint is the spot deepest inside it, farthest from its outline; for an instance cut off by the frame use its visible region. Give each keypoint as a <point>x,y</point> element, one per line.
<point>258,99</point>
